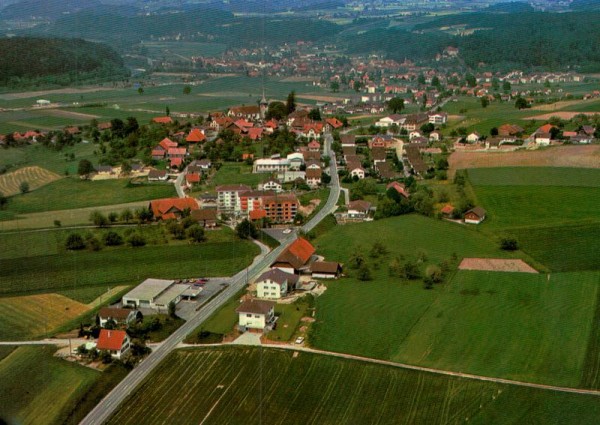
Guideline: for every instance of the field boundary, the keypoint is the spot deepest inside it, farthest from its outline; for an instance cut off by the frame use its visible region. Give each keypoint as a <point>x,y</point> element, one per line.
<point>496,265</point>
<point>412,367</point>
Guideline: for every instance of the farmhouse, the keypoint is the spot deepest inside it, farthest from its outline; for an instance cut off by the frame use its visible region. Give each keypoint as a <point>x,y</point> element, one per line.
<point>116,342</point>
<point>325,270</point>
<point>359,209</point>
<point>275,284</point>
<point>475,215</point>
<point>155,294</point>
<point>255,314</point>
<point>206,217</point>
<point>296,257</point>
<point>158,175</point>
<point>118,315</point>
<point>172,208</point>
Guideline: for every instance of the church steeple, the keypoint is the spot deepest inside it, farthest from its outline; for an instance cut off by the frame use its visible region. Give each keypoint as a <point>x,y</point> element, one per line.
<point>263,105</point>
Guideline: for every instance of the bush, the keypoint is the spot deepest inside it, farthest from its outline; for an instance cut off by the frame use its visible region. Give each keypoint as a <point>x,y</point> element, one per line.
<point>196,233</point>
<point>74,242</point>
<point>364,272</point>
<point>509,243</point>
<point>113,239</point>
<point>136,240</point>
<point>24,187</point>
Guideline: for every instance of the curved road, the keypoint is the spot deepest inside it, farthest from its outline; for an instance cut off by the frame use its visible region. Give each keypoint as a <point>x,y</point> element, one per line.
<point>109,404</point>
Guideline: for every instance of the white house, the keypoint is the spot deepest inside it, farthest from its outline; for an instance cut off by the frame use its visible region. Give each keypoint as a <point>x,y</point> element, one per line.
<point>473,137</point>
<point>272,185</point>
<point>255,314</point>
<point>414,134</point>
<point>275,284</point>
<point>388,121</point>
<point>117,343</point>
<point>270,165</point>
<point>543,139</point>
<point>438,118</point>
<point>313,177</point>
<point>296,160</point>
<point>359,209</point>
<point>356,170</point>
<point>435,136</point>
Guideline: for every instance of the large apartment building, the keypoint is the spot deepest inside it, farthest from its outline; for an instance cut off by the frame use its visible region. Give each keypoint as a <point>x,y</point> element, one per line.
<point>281,208</point>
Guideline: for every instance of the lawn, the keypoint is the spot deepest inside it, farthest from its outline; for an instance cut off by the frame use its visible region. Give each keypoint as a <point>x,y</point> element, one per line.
<point>73,193</point>
<point>289,318</point>
<point>39,388</point>
<point>236,385</point>
<point>237,173</point>
<point>29,317</point>
<point>220,323</point>
<point>222,256</point>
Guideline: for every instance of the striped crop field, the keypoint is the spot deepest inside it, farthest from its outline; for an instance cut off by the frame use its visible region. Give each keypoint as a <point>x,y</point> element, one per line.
<point>35,315</point>
<point>35,176</point>
<point>248,385</point>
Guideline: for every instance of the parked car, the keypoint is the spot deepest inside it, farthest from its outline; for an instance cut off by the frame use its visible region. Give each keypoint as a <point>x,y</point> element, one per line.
<point>299,340</point>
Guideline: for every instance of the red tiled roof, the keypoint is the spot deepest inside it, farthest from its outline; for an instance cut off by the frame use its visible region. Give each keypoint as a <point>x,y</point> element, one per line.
<point>167,143</point>
<point>255,133</point>
<point>161,207</point>
<point>110,340</point>
<point>448,209</point>
<point>257,214</point>
<point>176,162</point>
<point>545,128</point>
<point>334,122</point>
<point>297,254</point>
<point>177,151</point>
<point>195,136</point>
<point>192,178</point>
<point>162,120</point>
<point>314,144</point>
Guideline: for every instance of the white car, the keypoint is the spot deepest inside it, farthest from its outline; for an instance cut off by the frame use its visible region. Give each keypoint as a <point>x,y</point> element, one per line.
<point>299,340</point>
<point>287,231</point>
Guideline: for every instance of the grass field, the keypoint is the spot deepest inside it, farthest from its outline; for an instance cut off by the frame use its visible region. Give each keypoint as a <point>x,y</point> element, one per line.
<point>71,193</point>
<point>34,176</point>
<point>237,173</point>
<point>547,209</point>
<point>39,388</point>
<point>37,155</point>
<point>221,255</point>
<point>31,316</point>
<point>252,386</point>
<point>289,318</point>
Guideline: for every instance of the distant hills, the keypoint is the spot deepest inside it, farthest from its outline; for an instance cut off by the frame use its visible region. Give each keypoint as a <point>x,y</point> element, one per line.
<point>50,61</point>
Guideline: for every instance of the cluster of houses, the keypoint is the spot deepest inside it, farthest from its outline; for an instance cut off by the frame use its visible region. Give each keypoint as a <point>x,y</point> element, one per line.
<point>292,271</point>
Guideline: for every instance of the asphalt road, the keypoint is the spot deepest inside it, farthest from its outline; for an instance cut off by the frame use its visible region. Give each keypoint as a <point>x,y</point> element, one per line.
<point>109,404</point>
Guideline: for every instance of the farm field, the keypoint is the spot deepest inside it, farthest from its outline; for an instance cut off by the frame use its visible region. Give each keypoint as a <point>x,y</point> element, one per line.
<point>29,317</point>
<point>222,256</point>
<point>559,156</point>
<point>233,385</point>
<point>39,388</point>
<point>525,206</point>
<point>36,177</point>
<point>38,155</point>
<point>564,237</point>
<point>512,325</point>
<point>562,248</point>
<point>71,193</point>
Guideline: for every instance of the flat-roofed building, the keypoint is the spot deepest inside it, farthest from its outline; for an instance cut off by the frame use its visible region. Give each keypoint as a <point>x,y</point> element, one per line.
<point>155,294</point>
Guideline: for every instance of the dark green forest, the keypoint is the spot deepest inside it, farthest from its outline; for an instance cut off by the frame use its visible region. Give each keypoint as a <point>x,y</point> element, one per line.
<point>28,61</point>
<point>529,40</point>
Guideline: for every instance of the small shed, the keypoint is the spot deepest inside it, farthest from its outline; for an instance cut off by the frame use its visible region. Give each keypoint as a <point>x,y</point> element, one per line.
<point>325,270</point>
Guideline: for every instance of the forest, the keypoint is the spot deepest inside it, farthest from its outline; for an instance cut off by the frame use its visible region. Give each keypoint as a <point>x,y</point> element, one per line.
<point>28,61</point>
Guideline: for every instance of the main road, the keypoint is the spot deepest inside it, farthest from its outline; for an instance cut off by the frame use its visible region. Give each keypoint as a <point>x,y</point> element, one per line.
<point>109,404</point>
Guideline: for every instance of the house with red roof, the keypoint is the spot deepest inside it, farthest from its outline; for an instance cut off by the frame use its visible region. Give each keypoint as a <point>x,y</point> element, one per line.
<point>255,133</point>
<point>333,124</point>
<point>296,257</point>
<point>162,120</point>
<point>398,187</point>
<point>195,136</point>
<point>314,146</point>
<point>171,208</point>
<point>116,342</point>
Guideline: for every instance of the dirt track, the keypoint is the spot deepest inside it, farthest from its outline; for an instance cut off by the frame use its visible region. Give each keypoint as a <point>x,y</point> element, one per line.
<point>564,115</point>
<point>559,156</point>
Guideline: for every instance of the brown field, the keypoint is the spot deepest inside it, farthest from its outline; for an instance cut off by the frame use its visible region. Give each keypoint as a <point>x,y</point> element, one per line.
<point>297,80</point>
<point>558,105</point>
<point>563,115</point>
<point>25,95</point>
<point>35,176</point>
<point>496,265</point>
<point>35,315</point>
<point>318,97</point>
<point>68,114</point>
<point>559,156</point>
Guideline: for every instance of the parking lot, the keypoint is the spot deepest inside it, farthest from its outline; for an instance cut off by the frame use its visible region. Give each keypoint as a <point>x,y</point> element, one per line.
<point>186,309</point>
